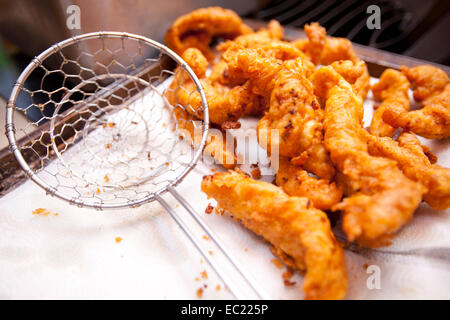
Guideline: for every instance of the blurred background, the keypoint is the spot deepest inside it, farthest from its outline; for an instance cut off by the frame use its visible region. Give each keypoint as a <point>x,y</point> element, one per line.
<point>414,28</point>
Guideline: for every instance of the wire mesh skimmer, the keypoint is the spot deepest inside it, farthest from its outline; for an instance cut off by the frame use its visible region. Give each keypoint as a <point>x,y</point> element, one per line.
<point>109,132</point>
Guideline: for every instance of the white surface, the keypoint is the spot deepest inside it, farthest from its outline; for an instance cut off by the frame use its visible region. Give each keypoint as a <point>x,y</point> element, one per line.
<point>75,255</point>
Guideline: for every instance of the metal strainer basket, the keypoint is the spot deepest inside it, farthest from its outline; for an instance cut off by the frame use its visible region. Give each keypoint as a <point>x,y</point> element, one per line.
<point>103,133</point>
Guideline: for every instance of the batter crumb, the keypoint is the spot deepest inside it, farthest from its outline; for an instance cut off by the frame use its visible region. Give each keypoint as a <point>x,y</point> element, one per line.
<point>256,173</point>
<point>209,209</point>
<point>288,283</point>
<point>277,263</point>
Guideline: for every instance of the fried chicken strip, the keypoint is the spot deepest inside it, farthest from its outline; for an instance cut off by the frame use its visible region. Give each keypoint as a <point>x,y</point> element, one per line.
<point>273,32</point>
<point>290,224</point>
<point>297,182</point>
<point>412,159</point>
<point>355,73</point>
<point>198,28</point>
<point>426,80</point>
<point>381,199</point>
<point>293,108</point>
<point>225,104</point>
<point>323,49</point>
<point>216,145</point>
<point>392,90</point>
<point>432,121</point>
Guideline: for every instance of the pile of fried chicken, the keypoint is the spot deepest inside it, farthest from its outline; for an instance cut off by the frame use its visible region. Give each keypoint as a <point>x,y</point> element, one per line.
<point>312,91</point>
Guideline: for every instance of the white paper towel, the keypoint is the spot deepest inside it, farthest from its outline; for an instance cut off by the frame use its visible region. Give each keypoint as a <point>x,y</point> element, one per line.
<point>74,255</point>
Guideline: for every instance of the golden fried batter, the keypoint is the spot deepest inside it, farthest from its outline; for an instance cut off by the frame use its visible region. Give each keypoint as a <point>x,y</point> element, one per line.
<point>216,145</point>
<point>426,80</point>
<point>323,49</point>
<point>392,90</point>
<point>432,121</point>
<point>412,159</point>
<point>273,32</point>
<point>290,224</point>
<point>293,108</point>
<point>225,104</point>
<point>355,73</point>
<point>198,28</point>
<point>381,199</point>
<point>297,182</point>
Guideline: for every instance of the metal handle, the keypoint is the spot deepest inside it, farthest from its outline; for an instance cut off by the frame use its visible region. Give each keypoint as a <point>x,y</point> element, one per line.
<point>234,288</point>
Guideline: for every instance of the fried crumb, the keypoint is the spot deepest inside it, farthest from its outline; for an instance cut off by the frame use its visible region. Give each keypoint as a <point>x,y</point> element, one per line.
<point>376,106</point>
<point>98,190</point>
<point>204,274</point>
<point>286,275</point>
<point>210,252</point>
<point>118,239</point>
<point>218,287</point>
<point>108,146</point>
<point>41,212</point>
<point>166,164</point>
<point>365,266</point>
<point>288,283</point>
<point>246,249</point>
<point>109,124</point>
<point>199,293</point>
<point>256,173</point>
<point>205,237</point>
<point>134,122</point>
<point>231,125</point>
<point>197,279</point>
<point>219,211</point>
<point>277,263</point>
<point>149,156</point>
<point>209,209</point>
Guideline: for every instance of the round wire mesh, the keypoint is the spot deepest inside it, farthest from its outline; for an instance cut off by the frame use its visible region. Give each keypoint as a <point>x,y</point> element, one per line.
<point>106,129</point>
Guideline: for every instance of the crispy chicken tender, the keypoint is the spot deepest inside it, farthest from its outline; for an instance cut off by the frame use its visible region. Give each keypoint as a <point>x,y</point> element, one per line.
<point>225,104</point>
<point>273,32</point>
<point>392,90</point>
<point>432,121</point>
<point>355,73</point>
<point>323,49</point>
<point>294,111</point>
<point>280,50</point>
<point>413,160</point>
<point>297,182</point>
<point>290,224</point>
<point>216,144</point>
<point>381,199</point>
<point>426,80</point>
<point>198,28</point>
